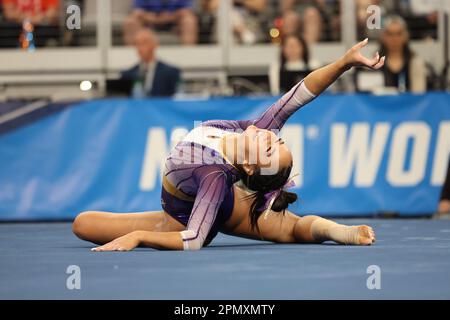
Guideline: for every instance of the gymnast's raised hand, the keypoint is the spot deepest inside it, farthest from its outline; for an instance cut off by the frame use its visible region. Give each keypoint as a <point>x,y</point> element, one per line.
<point>354,58</point>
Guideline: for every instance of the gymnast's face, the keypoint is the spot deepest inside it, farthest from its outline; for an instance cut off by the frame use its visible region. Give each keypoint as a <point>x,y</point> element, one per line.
<point>263,149</point>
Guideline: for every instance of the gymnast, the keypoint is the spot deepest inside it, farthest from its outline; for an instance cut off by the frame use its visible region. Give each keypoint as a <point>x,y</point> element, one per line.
<point>232,177</point>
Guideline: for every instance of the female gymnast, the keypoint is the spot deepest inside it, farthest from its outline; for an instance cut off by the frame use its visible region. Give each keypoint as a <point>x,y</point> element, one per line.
<point>232,177</point>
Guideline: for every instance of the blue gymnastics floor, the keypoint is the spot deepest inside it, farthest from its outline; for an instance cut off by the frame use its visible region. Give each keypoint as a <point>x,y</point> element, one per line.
<point>413,256</point>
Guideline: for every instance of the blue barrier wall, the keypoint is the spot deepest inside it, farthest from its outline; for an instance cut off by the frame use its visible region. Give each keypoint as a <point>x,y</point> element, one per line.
<point>356,155</point>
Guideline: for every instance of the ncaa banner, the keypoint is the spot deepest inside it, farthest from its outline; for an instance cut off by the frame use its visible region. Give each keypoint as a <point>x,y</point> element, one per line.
<point>357,155</point>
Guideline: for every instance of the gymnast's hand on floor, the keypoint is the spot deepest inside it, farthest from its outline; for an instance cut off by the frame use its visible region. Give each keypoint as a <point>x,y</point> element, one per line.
<point>354,58</point>
<point>125,243</point>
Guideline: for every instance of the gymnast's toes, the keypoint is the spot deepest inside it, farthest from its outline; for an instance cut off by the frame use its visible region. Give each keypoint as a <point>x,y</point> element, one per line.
<point>366,235</point>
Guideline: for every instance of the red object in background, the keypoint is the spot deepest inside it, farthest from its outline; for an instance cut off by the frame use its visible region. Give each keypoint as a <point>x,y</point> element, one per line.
<point>33,6</point>
<point>278,23</point>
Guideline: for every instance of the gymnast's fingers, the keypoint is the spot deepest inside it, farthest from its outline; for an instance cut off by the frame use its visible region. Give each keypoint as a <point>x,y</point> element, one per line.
<point>361,44</point>
<point>106,247</point>
<point>370,63</point>
<point>380,64</point>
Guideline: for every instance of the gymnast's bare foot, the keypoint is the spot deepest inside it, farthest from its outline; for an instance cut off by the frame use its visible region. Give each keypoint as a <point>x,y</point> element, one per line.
<point>366,236</point>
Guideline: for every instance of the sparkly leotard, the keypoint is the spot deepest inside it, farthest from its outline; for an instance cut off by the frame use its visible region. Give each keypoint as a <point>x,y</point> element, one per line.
<point>198,179</point>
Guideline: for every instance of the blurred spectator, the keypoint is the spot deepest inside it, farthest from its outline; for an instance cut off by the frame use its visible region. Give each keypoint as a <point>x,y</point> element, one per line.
<point>427,8</point>
<point>444,203</point>
<point>120,10</point>
<point>151,77</point>
<point>207,19</point>
<point>210,8</point>
<point>403,69</point>
<point>163,15</point>
<point>421,16</point>
<point>312,18</point>
<point>30,23</point>
<point>295,63</point>
<point>246,18</point>
<point>38,12</point>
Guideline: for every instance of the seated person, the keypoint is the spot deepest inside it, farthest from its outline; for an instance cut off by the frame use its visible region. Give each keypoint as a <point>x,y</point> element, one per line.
<point>294,64</point>
<point>247,17</point>
<point>40,17</point>
<point>404,69</point>
<point>152,78</point>
<point>423,18</point>
<point>163,15</point>
<point>311,18</point>
<point>206,11</point>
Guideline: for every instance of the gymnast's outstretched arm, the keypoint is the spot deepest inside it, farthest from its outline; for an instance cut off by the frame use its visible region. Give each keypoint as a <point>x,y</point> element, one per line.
<point>313,85</point>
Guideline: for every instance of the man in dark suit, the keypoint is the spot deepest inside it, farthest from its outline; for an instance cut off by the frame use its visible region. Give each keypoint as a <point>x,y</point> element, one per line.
<point>150,77</point>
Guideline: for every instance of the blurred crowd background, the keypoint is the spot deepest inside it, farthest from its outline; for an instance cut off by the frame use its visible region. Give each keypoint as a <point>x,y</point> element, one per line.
<point>195,21</point>
<point>73,49</point>
<point>265,46</point>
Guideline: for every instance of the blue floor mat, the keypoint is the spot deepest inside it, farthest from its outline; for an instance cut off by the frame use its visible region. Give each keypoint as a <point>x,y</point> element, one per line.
<point>413,257</point>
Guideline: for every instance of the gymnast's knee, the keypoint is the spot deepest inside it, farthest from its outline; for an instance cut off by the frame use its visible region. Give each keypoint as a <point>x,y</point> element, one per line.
<point>82,224</point>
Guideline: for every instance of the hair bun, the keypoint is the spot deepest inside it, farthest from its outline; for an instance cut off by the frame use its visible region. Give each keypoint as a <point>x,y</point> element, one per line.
<point>282,202</point>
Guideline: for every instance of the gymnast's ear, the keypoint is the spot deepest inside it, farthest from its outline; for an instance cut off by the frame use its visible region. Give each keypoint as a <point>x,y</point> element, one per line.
<point>249,168</point>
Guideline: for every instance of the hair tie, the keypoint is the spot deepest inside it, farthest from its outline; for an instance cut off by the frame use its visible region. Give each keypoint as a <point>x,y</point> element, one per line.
<point>270,197</point>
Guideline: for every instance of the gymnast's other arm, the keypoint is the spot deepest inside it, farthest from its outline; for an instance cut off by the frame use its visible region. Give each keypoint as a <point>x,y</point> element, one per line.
<point>157,240</point>
<point>211,192</point>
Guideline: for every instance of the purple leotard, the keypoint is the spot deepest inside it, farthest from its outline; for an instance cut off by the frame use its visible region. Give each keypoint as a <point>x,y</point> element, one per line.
<point>198,180</point>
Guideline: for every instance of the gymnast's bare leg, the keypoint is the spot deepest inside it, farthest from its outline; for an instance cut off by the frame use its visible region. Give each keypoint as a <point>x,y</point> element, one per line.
<point>290,228</point>
<point>103,227</point>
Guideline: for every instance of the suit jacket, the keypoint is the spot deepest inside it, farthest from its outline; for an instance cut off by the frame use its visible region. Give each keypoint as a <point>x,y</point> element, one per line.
<point>165,79</point>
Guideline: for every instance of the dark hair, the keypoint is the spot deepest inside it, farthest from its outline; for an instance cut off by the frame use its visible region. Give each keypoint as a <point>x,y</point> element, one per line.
<point>304,44</point>
<point>263,184</point>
